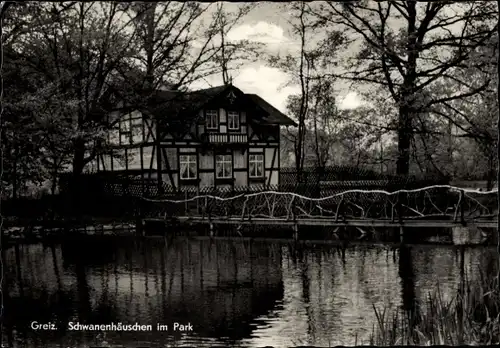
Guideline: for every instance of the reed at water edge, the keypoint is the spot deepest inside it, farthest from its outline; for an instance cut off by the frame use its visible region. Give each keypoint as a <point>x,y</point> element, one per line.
<point>471,317</point>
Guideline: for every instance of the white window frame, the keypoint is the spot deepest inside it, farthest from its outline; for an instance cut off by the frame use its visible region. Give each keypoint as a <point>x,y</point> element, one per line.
<point>126,125</point>
<point>258,160</point>
<point>226,161</point>
<point>125,139</point>
<point>188,160</point>
<point>136,134</point>
<point>211,119</point>
<point>125,131</point>
<point>114,135</point>
<point>130,130</point>
<point>233,120</point>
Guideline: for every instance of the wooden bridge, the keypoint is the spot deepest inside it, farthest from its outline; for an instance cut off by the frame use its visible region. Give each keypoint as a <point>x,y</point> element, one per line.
<point>327,200</point>
<point>484,223</point>
<point>436,206</point>
<point>358,204</point>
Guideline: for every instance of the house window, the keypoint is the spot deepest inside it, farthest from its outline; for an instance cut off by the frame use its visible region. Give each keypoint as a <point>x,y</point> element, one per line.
<point>212,119</point>
<point>114,136</point>
<point>125,125</point>
<point>125,131</point>
<point>136,130</point>
<point>124,138</point>
<point>256,166</point>
<point>188,167</point>
<point>130,130</point>
<point>223,167</point>
<point>233,120</point>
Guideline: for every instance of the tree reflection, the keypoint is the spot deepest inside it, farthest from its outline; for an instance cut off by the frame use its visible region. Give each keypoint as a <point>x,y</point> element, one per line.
<point>410,302</point>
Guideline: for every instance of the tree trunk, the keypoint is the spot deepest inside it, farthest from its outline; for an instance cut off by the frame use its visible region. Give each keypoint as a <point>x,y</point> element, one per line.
<point>150,41</point>
<point>319,159</point>
<point>404,138</point>
<point>150,84</point>
<point>54,175</point>
<point>78,158</point>
<point>78,165</point>
<point>15,187</point>
<point>304,99</point>
<point>491,172</point>
<point>54,183</point>
<point>407,94</point>
<point>498,127</point>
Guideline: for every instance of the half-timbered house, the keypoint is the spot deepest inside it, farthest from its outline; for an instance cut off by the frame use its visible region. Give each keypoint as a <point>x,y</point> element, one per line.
<point>216,137</point>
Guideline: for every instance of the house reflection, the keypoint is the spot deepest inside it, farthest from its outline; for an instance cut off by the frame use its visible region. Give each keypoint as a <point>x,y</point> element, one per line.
<point>220,288</point>
<point>234,293</point>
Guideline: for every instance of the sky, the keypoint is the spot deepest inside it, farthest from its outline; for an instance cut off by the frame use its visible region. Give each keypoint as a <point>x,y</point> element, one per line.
<point>268,25</point>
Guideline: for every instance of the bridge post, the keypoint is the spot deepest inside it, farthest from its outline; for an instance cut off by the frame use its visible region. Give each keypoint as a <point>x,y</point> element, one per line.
<point>211,230</point>
<point>462,212</point>
<point>295,232</point>
<point>399,207</point>
<point>139,227</point>
<point>139,218</point>
<point>338,209</point>
<point>18,268</point>
<point>198,207</point>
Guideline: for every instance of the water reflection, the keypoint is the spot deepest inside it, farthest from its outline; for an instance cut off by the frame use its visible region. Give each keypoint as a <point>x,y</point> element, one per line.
<point>234,293</point>
<point>409,299</point>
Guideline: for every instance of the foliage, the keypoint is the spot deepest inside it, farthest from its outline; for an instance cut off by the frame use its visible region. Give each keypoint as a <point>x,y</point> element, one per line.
<point>427,73</point>
<point>314,107</point>
<point>66,61</point>
<point>412,64</point>
<point>404,49</point>
<point>337,136</point>
<point>41,128</point>
<point>471,318</point>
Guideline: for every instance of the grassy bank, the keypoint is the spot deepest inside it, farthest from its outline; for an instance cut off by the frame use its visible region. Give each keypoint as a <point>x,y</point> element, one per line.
<point>472,317</point>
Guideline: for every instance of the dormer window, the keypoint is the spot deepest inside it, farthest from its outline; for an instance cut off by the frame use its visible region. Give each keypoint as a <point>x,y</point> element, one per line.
<point>233,120</point>
<point>211,119</point>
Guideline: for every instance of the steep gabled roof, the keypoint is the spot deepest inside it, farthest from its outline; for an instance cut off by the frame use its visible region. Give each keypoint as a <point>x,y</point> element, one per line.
<point>179,109</point>
<point>180,104</point>
<point>274,115</point>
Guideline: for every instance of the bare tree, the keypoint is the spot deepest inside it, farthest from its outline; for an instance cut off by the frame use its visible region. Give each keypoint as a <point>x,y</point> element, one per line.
<point>76,47</point>
<point>166,34</point>
<point>321,123</point>
<point>87,48</point>
<point>325,121</point>
<point>232,53</point>
<point>407,46</point>
<point>301,66</point>
<point>176,47</point>
<point>498,125</point>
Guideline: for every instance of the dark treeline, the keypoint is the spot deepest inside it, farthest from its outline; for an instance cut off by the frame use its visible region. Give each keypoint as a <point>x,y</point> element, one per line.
<point>64,62</point>
<point>425,73</point>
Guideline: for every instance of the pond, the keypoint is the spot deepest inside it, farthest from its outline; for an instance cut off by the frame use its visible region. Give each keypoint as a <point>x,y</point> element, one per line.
<point>223,292</point>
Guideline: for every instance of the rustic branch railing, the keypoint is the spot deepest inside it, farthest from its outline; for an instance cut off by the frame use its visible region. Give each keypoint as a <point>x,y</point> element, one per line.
<point>441,202</point>
<point>396,200</point>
